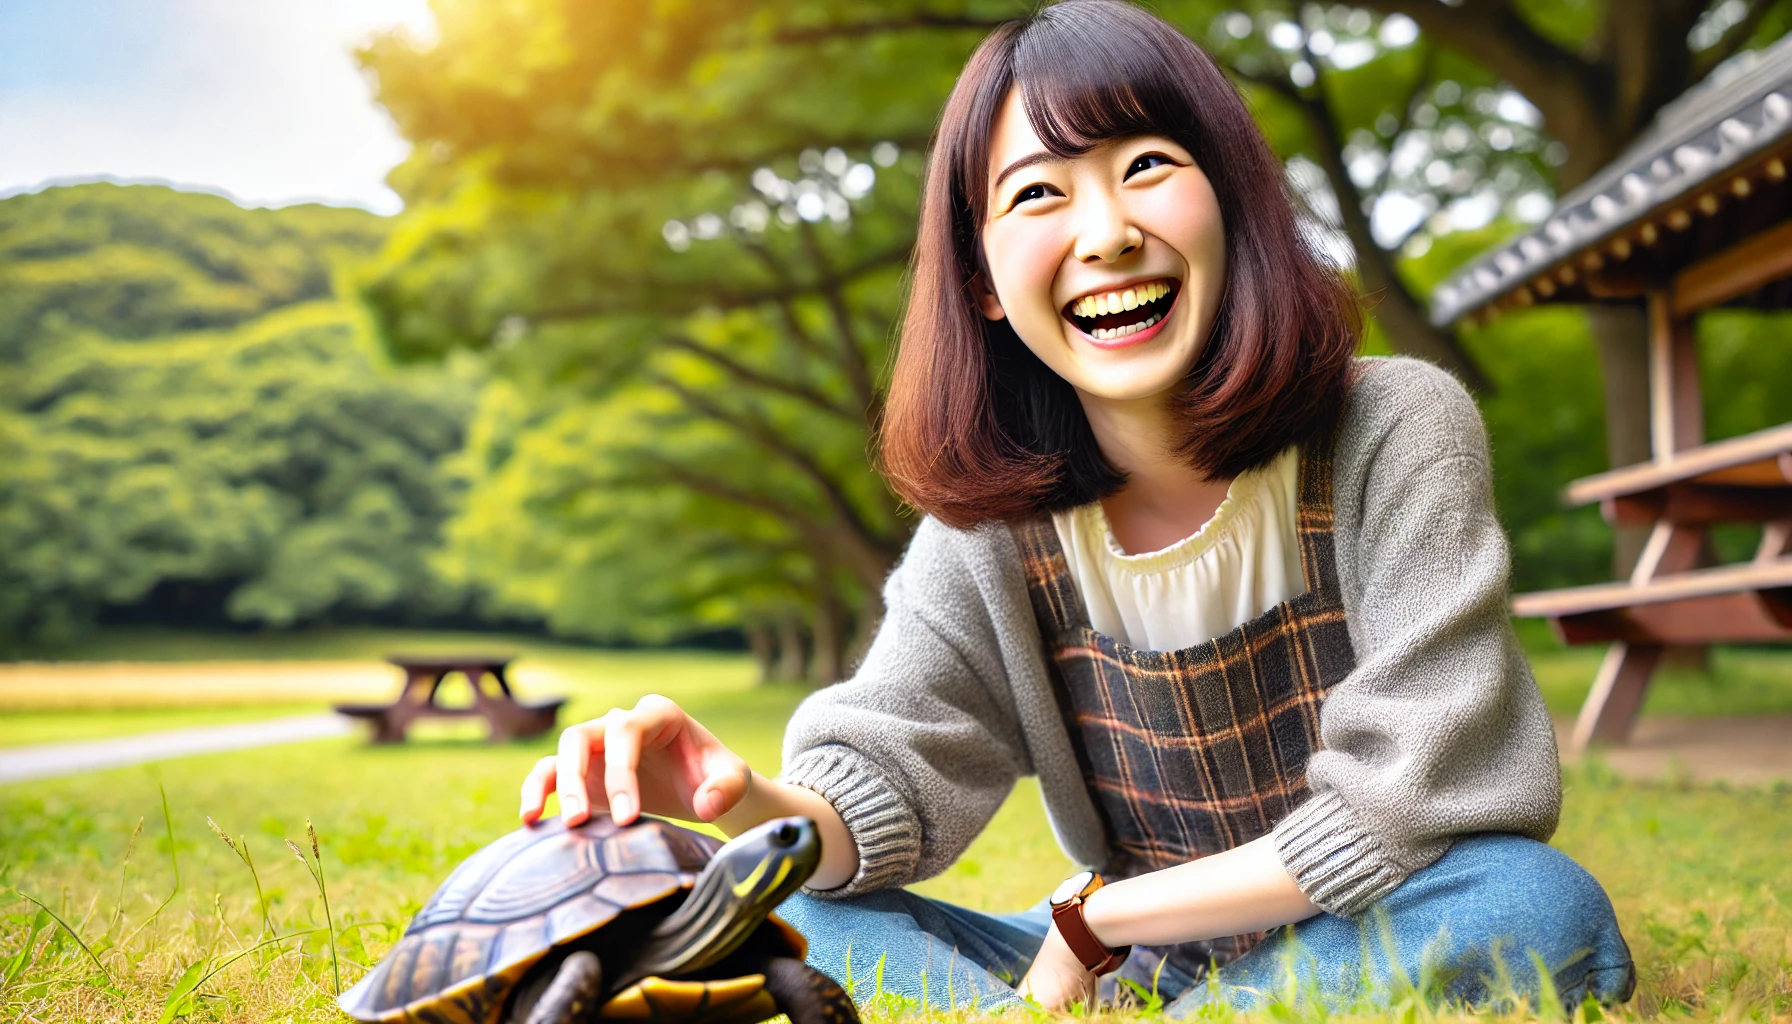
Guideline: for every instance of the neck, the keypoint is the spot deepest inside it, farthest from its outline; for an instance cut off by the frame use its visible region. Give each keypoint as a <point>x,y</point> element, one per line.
<point>1164,500</point>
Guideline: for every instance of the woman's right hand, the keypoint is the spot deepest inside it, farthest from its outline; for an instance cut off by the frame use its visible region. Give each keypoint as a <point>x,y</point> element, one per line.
<point>653,758</point>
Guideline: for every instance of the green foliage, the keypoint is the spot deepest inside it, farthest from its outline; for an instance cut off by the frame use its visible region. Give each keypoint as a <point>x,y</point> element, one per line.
<point>689,315</point>
<point>273,462</point>
<point>142,260</point>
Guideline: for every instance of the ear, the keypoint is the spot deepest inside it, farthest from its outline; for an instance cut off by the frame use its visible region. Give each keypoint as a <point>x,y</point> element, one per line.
<point>986,299</point>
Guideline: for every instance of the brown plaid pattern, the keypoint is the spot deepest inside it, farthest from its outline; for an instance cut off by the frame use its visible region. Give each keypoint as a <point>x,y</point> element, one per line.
<point>1192,752</point>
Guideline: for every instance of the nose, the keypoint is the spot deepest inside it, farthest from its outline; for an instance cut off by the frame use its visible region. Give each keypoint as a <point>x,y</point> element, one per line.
<point>1104,231</point>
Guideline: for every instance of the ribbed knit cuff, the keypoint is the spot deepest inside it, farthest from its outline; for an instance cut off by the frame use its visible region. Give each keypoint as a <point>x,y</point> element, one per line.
<point>1334,860</point>
<point>886,831</point>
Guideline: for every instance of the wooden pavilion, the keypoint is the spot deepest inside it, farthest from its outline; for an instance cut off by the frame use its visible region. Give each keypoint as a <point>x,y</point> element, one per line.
<point>1697,214</point>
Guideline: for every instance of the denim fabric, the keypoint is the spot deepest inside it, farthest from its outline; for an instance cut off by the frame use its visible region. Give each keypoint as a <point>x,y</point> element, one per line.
<point>1464,928</point>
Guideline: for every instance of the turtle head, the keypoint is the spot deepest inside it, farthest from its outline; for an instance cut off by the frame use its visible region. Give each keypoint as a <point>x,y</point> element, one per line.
<point>767,863</point>
<point>745,880</point>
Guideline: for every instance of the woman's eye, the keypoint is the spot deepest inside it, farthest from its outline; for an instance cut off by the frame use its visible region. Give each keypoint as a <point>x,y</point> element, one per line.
<point>1032,192</point>
<point>1146,162</point>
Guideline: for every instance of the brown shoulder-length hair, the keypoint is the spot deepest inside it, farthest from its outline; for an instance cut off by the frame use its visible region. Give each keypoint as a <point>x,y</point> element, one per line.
<point>975,427</point>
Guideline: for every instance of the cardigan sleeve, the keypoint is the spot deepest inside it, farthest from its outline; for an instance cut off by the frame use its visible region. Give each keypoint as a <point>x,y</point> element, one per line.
<point>1439,730</point>
<point>919,748</point>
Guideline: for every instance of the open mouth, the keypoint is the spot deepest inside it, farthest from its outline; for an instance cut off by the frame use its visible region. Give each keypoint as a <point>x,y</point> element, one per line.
<point>1113,315</point>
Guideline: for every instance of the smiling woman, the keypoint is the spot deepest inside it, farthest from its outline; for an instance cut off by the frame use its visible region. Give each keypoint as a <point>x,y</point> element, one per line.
<point>1237,600</point>
<point>1105,155</point>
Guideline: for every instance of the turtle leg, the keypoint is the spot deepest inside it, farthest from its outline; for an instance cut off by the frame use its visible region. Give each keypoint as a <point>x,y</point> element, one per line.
<point>807,995</point>
<point>572,996</point>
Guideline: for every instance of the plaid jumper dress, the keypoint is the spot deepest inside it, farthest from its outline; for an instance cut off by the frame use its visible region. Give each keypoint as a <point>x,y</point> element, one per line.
<point>1193,752</point>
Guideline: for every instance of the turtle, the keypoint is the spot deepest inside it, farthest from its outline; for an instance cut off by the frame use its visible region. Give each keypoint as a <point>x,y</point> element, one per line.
<point>641,922</point>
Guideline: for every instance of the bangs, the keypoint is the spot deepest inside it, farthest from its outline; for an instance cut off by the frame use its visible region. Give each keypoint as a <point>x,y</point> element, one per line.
<point>1088,76</point>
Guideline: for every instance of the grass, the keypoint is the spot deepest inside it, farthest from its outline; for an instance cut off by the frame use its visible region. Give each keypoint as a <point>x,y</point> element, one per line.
<point>1700,875</point>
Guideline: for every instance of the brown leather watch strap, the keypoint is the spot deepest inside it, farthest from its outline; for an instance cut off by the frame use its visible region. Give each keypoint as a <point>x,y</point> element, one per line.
<point>1068,917</point>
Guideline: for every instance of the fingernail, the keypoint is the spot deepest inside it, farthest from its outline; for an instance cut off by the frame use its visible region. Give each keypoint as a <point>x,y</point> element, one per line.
<point>571,806</point>
<point>622,806</point>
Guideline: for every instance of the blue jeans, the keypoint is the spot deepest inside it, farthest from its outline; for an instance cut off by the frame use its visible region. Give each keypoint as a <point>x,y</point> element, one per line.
<point>1464,929</point>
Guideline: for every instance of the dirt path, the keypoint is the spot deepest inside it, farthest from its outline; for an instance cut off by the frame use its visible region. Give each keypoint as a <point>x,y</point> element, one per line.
<point>1753,751</point>
<point>46,760</point>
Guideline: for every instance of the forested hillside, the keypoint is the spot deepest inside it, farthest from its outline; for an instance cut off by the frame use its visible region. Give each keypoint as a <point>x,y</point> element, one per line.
<point>195,428</point>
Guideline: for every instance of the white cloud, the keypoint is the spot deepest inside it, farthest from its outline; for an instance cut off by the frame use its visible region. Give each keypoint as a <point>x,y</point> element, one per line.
<point>261,99</point>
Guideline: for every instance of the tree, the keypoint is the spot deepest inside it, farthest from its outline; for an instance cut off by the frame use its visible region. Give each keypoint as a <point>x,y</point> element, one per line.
<point>142,260</point>
<point>706,306</point>
<point>265,468</point>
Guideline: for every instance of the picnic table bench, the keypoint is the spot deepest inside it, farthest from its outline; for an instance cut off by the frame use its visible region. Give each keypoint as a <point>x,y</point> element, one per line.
<point>1669,599</point>
<point>507,717</point>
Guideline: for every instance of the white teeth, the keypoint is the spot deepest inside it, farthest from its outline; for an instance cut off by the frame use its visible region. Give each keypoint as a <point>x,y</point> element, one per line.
<point>1115,302</point>
<point>1110,333</point>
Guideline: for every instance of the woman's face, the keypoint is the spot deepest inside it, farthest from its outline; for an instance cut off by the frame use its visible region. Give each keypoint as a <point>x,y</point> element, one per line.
<point>1109,265</point>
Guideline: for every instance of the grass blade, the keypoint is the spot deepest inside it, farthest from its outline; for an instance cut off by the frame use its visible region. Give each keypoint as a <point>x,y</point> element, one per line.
<point>72,934</point>
<point>174,856</point>
<point>240,847</point>
<point>180,998</point>
<point>16,966</point>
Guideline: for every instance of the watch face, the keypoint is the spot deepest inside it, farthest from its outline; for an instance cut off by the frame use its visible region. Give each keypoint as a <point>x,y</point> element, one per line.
<point>1068,888</point>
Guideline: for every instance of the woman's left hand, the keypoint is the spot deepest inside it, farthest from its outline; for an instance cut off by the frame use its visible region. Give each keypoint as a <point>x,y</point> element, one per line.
<point>1057,978</point>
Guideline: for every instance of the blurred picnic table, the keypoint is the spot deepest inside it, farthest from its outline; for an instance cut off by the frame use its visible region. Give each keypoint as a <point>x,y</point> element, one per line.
<point>507,717</point>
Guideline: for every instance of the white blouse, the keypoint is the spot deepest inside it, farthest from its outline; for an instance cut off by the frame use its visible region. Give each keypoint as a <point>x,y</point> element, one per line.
<point>1238,565</point>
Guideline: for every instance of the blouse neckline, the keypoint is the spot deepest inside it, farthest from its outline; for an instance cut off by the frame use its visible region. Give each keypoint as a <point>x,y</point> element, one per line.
<point>1236,508</point>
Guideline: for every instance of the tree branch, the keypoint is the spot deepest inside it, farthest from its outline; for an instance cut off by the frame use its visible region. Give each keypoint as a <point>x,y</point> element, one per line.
<point>720,298</point>
<point>1733,38</point>
<point>708,485</point>
<point>1400,313</point>
<point>858,372</point>
<point>913,22</point>
<point>1572,93</point>
<point>747,374</point>
<point>762,433</point>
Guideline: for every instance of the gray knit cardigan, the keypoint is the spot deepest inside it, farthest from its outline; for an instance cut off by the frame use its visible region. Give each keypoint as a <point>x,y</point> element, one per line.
<point>1438,732</point>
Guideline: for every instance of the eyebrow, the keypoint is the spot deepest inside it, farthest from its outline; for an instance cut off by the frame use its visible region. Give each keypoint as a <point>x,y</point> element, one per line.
<point>1024,162</point>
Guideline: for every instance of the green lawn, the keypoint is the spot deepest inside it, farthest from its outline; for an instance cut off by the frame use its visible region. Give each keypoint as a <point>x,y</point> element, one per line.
<point>1700,875</point>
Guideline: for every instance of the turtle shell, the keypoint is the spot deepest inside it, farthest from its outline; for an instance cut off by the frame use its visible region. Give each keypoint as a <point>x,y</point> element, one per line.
<point>513,902</point>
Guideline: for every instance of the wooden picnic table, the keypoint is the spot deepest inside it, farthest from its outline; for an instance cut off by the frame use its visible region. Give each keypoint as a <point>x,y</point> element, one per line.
<point>1695,215</point>
<point>507,717</point>
<point>1670,599</point>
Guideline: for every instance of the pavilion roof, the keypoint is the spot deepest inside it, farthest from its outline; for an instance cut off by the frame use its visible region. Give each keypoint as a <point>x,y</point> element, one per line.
<point>1707,153</point>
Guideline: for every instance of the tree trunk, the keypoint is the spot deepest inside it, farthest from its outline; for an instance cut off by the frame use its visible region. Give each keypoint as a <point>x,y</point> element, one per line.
<point>1621,334</point>
<point>826,627</point>
<point>765,648</point>
<point>792,660</point>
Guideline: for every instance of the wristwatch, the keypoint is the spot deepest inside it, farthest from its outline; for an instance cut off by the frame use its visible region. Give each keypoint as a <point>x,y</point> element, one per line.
<point>1067,914</point>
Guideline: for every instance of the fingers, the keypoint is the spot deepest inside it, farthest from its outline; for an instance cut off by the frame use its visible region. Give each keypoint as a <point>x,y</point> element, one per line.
<point>653,720</point>
<point>690,772</point>
<point>724,784</point>
<point>574,760</point>
<point>535,790</point>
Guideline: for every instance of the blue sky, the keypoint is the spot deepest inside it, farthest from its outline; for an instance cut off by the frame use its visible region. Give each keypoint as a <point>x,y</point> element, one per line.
<point>260,99</point>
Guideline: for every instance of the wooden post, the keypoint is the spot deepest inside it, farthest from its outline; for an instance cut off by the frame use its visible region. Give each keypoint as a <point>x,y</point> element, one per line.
<point>1676,409</point>
<point>1676,423</point>
<point>1617,697</point>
